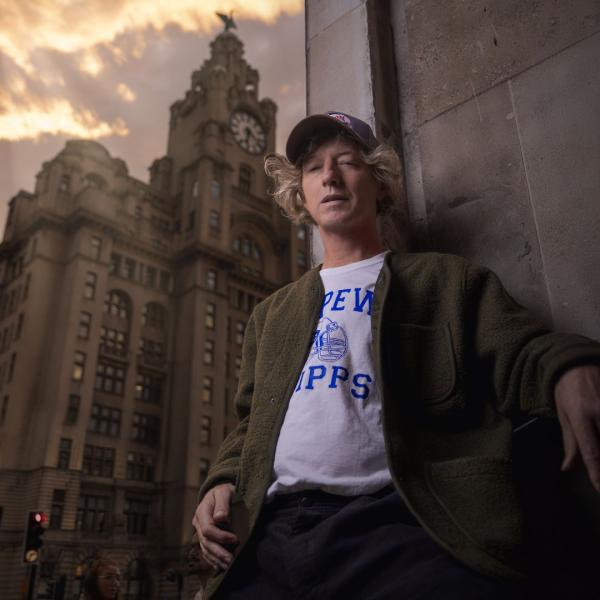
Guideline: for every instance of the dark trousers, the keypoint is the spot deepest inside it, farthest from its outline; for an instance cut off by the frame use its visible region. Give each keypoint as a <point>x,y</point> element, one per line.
<point>316,546</point>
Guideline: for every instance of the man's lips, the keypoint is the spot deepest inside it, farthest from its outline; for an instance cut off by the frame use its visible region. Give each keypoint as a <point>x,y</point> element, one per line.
<point>333,198</point>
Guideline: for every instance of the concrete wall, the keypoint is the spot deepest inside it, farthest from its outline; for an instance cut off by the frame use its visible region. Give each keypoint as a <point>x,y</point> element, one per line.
<point>495,107</point>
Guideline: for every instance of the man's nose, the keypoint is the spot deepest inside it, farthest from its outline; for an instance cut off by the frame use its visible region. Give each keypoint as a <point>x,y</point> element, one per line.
<point>331,174</point>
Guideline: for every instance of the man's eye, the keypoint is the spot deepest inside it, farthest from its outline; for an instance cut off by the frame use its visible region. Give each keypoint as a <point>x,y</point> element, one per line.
<point>314,167</point>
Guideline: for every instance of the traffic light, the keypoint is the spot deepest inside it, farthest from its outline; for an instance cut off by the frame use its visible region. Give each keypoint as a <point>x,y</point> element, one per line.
<point>37,521</point>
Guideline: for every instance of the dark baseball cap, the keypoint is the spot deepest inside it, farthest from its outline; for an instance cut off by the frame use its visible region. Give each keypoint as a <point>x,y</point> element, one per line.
<point>330,121</point>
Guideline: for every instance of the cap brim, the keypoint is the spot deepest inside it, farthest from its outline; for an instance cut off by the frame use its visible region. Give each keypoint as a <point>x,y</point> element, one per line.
<point>311,126</point>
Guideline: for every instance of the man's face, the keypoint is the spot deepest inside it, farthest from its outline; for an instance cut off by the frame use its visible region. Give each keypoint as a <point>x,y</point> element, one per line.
<point>340,192</point>
<point>109,582</point>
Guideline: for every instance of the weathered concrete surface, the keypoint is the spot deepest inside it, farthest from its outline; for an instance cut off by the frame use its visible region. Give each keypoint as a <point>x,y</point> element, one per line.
<point>338,67</point>
<point>558,113</point>
<point>476,192</point>
<point>320,15</point>
<point>458,48</point>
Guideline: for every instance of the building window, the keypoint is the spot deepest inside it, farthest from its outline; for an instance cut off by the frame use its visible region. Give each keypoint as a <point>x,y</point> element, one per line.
<point>301,232</point>
<point>301,259</point>
<point>113,341</point>
<point>89,288</point>
<point>204,468</point>
<point>72,409</point>
<point>19,326</point>
<point>114,268</point>
<point>195,188</point>
<point>209,352</point>
<point>213,219</point>
<point>105,420</point>
<point>128,267</point>
<point>148,388</point>
<point>65,183</point>
<point>146,429</point>
<point>96,247</point>
<point>245,179</point>
<point>207,390</point>
<point>140,467</point>
<point>57,509</point>
<point>209,319</point>
<point>211,279</point>
<point>98,461</point>
<point>238,364</point>
<point>92,513</point>
<point>85,321</point>
<point>247,247</point>
<point>205,427</point>
<point>215,189</point>
<point>191,220</point>
<point>11,367</point>
<point>64,453</point>
<point>240,327</point>
<point>4,410</point>
<point>164,281</point>
<point>150,279</point>
<point>78,366</point>
<point>154,315</point>
<point>116,304</point>
<point>137,513</point>
<point>152,352</point>
<point>26,287</point>
<point>110,379</point>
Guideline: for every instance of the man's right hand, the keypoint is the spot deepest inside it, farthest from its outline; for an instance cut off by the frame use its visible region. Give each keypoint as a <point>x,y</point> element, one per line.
<point>211,520</point>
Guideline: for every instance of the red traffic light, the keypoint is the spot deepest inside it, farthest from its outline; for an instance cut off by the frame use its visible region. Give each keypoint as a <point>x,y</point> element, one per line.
<point>41,518</point>
<point>37,521</point>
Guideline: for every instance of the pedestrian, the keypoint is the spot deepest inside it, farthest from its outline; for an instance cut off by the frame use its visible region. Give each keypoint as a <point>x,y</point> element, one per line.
<point>102,580</point>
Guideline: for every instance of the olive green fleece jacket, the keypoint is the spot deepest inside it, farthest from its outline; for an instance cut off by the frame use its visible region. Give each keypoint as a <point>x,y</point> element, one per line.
<point>456,360</point>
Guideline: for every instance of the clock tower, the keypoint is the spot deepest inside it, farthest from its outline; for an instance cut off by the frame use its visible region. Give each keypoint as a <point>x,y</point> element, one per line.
<point>232,248</point>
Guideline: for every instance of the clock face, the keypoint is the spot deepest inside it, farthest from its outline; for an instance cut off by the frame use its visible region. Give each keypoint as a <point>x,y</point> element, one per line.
<point>248,132</point>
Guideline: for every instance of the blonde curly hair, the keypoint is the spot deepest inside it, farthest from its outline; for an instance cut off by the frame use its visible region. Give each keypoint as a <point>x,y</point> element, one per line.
<point>385,167</point>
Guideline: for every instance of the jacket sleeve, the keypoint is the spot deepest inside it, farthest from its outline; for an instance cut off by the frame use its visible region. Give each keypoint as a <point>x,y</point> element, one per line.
<point>524,358</point>
<point>226,467</point>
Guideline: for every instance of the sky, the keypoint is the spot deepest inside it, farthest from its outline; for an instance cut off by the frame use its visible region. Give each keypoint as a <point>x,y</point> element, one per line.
<point>108,70</point>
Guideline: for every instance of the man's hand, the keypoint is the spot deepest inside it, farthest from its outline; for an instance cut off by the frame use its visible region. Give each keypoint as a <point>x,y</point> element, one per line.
<point>577,397</point>
<point>210,520</point>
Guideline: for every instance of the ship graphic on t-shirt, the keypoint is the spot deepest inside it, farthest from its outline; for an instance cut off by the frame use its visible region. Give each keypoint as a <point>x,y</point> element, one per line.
<point>330,341</point>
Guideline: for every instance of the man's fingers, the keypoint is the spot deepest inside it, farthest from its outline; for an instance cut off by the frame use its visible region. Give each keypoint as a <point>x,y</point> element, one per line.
<point>218,535</point>
<point>569,443</point>
<point>222,502</point>
<point>215,554</point>
<point>588,439</point>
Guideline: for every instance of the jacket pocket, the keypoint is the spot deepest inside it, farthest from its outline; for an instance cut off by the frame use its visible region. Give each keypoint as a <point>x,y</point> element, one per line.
<point>421,367</point>
<point>479,495</point>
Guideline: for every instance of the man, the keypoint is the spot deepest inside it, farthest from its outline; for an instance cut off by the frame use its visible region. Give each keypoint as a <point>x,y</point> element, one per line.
<point>377,400</point>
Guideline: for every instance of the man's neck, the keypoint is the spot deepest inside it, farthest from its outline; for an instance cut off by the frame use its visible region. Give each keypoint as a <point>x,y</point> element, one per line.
<point>340,251</point>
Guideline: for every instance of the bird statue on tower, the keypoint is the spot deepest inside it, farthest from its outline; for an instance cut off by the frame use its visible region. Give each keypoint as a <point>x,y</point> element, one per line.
<point>227,20</point>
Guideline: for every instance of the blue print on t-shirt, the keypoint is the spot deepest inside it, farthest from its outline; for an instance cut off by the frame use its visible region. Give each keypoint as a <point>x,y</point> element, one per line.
<point>330,341</point>
<point>339,304</point>
<point>317,376</point>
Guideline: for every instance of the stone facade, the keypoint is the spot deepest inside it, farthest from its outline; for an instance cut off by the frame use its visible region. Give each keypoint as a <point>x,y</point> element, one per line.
<point>123,306</point>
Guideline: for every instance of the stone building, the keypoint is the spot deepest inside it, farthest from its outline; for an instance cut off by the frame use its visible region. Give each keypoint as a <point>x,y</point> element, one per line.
<point>122,312</point>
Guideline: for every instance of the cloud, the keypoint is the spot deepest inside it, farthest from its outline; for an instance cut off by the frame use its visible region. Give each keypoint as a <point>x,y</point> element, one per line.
<point>80,26</point>
<point>31,118</point>
<point>125,92</point>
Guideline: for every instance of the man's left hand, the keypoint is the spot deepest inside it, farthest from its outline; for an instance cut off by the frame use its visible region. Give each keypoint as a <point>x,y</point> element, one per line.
<point>577,398</point>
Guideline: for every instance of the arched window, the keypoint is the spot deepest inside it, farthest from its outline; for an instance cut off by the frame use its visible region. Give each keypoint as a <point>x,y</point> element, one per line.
<point>117,303</point>
<point>245,179</point>
<point>247,246</point>
<point>154,315</point>
<point>95,180</point>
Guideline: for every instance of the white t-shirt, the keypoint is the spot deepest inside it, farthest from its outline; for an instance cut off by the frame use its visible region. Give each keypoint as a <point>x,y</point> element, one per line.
<point>332,437</point>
